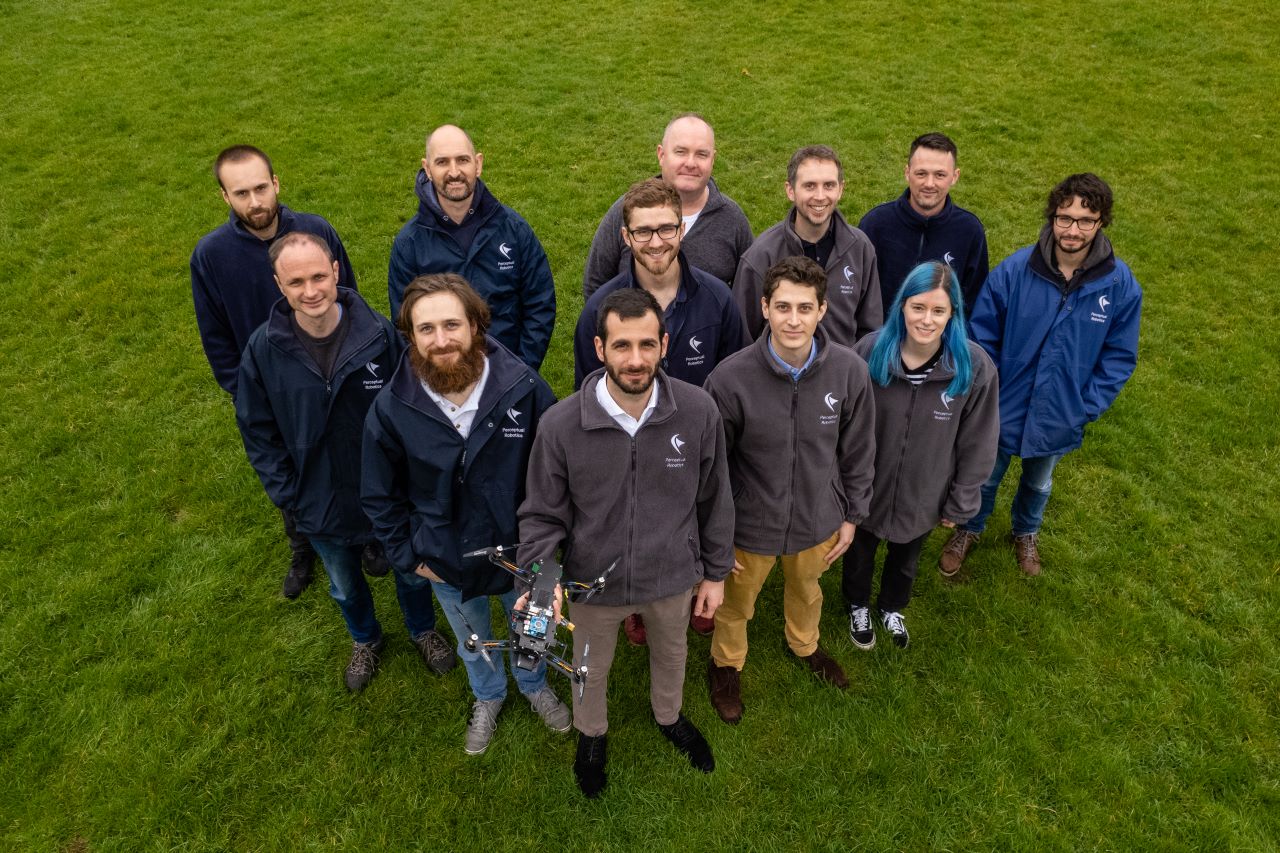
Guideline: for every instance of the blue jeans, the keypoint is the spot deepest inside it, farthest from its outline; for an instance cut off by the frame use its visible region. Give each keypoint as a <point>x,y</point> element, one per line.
<point>348,587</point>
<point>487,682</point>
<point>1030,500</point>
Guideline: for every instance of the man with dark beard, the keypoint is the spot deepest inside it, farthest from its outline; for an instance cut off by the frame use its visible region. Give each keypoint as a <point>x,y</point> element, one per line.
<point>445,453</point>
<point>632,468</point>
<point>233,288</point>
<point>307,379</point>
<point>461,228</point>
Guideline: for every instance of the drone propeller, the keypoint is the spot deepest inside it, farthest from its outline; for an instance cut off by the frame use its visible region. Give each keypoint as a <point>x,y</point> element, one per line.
<point>580,675</point>
<point>599,582</point>
<point>473,643</point>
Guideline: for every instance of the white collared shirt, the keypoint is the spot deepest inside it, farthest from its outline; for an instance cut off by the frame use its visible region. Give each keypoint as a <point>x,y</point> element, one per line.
<point>461,416</point>
<point>611,407</point>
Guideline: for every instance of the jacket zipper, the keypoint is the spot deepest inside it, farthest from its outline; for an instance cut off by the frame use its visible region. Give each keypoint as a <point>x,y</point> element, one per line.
<point>795,455</point>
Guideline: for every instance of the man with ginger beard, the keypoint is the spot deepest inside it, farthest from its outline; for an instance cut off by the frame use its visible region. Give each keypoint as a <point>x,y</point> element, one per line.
<point>446,448</point>
<point>307,379</point>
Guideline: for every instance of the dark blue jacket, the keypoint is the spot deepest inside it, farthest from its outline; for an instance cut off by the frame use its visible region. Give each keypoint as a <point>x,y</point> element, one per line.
<point>904,238</point>
<point>704,324</point>
<point>234,288</point>
<point>434,496</point>
<point>505,264</point>
<point>1062,358</point>
<point>303,433</point>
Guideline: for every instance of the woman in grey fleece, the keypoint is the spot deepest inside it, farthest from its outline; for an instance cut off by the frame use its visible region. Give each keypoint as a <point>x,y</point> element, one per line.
<point>937,424</point>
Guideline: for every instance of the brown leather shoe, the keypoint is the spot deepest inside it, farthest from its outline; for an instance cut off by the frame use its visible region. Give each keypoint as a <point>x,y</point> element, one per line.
<point>954,552</point>
<point>701,625</point>
<point>726,692</point>
<point>824,666</point>
<point>1028,553</point>
<point>633,627</point>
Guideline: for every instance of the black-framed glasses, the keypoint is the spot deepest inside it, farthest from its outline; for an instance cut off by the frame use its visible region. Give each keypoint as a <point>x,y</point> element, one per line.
<point>1085,224</point>
<point>644,235</point>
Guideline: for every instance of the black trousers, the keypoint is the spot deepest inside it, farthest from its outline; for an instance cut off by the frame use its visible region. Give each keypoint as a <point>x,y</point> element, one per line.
<point>900,565</point>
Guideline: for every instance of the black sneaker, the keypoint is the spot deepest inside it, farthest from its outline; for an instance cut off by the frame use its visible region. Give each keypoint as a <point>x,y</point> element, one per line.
<point>301,569</point>
<point>364,665</point>
<point>436,652</point>
<point>860,629</point>
<point>374,560</point>
<point>896,626</point>
<point>588,766</point>
<point>686,738</point>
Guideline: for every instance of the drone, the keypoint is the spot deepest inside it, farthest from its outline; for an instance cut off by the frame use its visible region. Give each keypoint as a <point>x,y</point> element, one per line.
<point>533,627</point>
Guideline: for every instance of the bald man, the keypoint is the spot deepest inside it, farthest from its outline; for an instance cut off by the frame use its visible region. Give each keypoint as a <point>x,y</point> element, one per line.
<point>716,231</point>
<point>461,228</point>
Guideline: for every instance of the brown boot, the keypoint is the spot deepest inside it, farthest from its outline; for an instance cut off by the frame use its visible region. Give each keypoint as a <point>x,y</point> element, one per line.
<point>1028,553</point>
<point>824,666</point>
<point>726,692</point>
<point>954,552</point>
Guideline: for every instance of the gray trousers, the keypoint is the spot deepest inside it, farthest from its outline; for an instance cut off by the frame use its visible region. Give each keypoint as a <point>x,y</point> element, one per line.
<point>667,623</point>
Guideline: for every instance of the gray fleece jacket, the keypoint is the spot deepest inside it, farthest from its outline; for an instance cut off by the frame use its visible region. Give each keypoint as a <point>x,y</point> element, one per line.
<point>853,285</point>
<point>658,503</point>
<point>933,453</point>
<point>714,243</point>
<point>801,453</point>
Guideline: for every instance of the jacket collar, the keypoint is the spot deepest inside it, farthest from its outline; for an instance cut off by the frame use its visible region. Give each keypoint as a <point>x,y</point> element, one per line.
<point>909,217</point>
<point>1100,261</point>
<point>761,347</point>
<point>595,417</point>
<point>363,325</point>
<point>287,222</point>
<point>505,371</point>
<point>483,203</point>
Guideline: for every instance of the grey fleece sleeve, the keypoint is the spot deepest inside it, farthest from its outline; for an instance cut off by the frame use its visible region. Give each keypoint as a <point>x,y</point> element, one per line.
<point>856,448</point>
<point>546,512</point>
<point>715,503</point>
<point>604,260</point>
<point>976,442</point>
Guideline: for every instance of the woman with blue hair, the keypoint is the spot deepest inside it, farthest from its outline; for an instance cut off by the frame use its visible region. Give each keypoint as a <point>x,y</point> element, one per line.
<point>937,423</point>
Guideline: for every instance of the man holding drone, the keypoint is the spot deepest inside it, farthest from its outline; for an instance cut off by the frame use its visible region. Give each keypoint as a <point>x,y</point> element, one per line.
<point>445,452</point>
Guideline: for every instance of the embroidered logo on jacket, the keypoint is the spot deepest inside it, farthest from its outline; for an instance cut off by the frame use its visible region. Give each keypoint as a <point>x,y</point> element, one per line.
<point>1100,316</point>
<point>849,287</point>
<point>517,431</point>
<point>505,265</point>
<point>833,403</point>
<point>699,357</point>
<point>948,258</point>
<point>375,383</point>
<point>677,444</point>
<point>945,413</point>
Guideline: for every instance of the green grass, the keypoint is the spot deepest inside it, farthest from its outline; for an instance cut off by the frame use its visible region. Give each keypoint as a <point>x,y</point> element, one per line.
<point>157,694</point>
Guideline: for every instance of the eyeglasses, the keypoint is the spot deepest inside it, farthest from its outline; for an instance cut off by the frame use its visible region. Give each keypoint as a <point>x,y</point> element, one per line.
<point>1086,225</point>
<point>644,235</point>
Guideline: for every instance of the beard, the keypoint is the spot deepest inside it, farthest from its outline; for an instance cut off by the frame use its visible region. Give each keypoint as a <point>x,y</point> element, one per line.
<point>260,219</point>
<point>456,190</point>
<point>454,377</point>
<point>631,384</point>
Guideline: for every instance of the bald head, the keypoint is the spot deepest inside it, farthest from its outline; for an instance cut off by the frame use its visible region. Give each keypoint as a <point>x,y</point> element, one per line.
<point>454,166</point>
<point>686,156</point>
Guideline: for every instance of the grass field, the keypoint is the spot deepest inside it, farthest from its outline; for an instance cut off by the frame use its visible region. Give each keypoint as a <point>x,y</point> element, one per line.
<point>156,693</point>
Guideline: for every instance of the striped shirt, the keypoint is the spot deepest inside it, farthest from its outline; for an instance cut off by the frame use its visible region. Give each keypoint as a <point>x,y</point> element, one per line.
<point>921,373</point>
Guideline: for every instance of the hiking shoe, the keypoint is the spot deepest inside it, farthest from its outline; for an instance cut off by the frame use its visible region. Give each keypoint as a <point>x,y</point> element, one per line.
<point>824,666</point>
<point>436,652</point>
<point>484,722</point>
<point>374,560</point>
<point>860,630</point>
<point>1026,547</point>
<point>363,666</point>
<point>896,626</point>
<point>553,712</point>
<point>686,738</point>
<point>701,625</point>
<point>301,569</point>
<point>588,765</point>
<point>633,627</point>
<point>726,692</point>
<point>954,552</point>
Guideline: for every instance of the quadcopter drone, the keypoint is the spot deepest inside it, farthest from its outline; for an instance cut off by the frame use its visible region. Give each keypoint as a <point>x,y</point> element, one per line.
<point>533,627</point>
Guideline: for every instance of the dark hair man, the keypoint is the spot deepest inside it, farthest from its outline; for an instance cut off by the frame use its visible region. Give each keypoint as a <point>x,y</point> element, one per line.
<point>1060,320</point>
<point>924,224</point>
<point>631,467</point>
<point>233,287</point>
<point>699,313</point>
<point>308,376</point>
<point>445,454</point>
<point>716,231</point>
<point>815,229</point>
<point>799,423</point>
<point>461,228</point>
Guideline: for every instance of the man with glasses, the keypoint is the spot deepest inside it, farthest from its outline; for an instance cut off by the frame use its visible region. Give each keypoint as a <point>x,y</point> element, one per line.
<point>814,228</point>
<point>703,322</point>
<point>698,309</point>
<point>1060,319</point>
<point>716,230</point>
